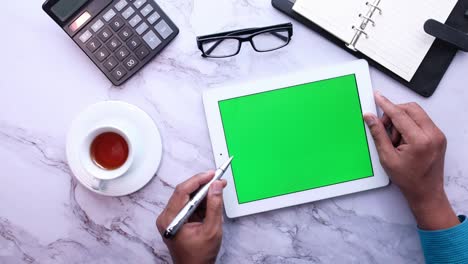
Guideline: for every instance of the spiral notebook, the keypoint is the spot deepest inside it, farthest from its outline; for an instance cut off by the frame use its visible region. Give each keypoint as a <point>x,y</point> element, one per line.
<point>388,31</point>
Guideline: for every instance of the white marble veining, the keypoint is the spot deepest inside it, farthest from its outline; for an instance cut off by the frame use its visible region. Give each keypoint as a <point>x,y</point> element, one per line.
<point>45,80</point>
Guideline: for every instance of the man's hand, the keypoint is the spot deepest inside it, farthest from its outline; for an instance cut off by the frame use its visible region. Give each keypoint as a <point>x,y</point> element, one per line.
<point>199,240</point>
<point>413,156</point>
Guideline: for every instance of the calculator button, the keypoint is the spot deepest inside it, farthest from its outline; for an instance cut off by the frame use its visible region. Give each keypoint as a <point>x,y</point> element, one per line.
<point>105,34</point>
<point>146,10</point>
<point>117,24</point>
<point>134,43</point>
<point>142,28</point>
<point>142,52</point>
<point>130,63</point>
<point>85,36</point>
<point>109,15</point>
<point>151,39</point>
<point>122,53</point>
<point>97,25</point>
<point>119,72</point>
<point>120,5</point>
<point>114,44</point>
<point>163,29</point>
<point>135,20</point>
<point>139,3</point>
<point>93,45</point>
<point>111,63</point>
<point>125,33</point>
<point>128,12</point>
<point>102,54</point>
<point>153,18</point>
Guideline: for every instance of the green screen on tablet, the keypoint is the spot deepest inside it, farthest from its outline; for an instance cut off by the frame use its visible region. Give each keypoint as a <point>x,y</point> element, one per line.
<point>296,139</point>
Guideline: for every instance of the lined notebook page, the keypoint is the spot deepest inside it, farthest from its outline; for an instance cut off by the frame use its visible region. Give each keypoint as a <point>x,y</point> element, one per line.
<point>398,40</point>
<point>335,16</point>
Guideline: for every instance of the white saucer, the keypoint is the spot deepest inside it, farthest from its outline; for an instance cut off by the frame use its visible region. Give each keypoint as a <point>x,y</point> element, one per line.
<point>147,145</point>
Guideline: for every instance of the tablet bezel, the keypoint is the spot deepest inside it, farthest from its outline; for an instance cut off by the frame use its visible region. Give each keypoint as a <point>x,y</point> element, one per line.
<point>359,68</point>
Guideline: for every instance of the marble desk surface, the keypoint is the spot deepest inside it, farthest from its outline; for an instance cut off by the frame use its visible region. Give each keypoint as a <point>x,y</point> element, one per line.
<point>46,80</point>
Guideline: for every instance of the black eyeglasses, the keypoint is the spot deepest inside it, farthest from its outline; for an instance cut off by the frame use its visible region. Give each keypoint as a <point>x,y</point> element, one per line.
<point>228,44</point>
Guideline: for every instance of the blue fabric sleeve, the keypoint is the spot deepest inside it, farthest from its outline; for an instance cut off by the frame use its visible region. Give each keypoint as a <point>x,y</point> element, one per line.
<point>447,245</point>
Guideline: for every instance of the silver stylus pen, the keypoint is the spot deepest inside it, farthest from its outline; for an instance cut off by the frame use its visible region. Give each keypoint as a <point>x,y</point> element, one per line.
<point>192,205</point>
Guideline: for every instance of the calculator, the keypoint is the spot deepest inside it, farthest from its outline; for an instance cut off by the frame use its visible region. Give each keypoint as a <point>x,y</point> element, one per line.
<point>119,36</point>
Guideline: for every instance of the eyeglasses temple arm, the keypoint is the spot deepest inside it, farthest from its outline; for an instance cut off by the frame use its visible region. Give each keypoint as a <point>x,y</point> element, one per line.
<point>276,34</point>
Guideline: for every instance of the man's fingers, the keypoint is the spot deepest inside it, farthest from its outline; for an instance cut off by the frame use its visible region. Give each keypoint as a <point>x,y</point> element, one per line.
<point>420,117</point>
<point>382,141</point>
<point>214,207</point>
<point>400,119</point>
<point>433,134</point>
<point>182,193</point>
<point>386,121</point>
<point>395,136</point>
<point>189,186</point>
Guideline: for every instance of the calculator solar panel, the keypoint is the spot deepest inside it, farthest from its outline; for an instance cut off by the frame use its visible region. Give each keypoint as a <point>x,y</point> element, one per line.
<point>123,37</point>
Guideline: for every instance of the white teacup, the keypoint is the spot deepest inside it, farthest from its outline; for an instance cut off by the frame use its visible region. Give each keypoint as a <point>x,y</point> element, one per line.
<point>98,173</point>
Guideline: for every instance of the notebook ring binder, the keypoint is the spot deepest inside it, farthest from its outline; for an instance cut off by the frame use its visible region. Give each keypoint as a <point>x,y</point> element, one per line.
<point>390,53</point>
<point>365,20</point>
<point>361,31</point>
<point>375,7</point>
<point>352,45</point>
<point>368,19</point>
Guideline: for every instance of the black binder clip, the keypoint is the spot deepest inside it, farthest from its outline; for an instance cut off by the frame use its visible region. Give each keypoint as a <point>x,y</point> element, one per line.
<point>447,34</point>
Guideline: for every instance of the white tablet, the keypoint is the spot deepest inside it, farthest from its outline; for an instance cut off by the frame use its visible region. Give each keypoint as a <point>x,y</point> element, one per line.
<point>295,138</point>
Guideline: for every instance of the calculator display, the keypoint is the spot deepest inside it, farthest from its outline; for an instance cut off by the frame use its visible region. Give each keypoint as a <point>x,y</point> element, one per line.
<point>63,9</point>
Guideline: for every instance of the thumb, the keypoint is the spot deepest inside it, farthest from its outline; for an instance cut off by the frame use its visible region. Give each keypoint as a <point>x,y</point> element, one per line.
<point>214,206</point>
<point>382,140</point>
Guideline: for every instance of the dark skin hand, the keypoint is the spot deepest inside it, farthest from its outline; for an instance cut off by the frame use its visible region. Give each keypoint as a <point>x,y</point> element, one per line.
<point>413,156</point>
<point>199,240</point>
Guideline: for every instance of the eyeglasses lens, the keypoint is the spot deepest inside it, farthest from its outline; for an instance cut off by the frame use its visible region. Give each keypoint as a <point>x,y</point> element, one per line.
<point>221,47</point>
<point>271,40</point>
